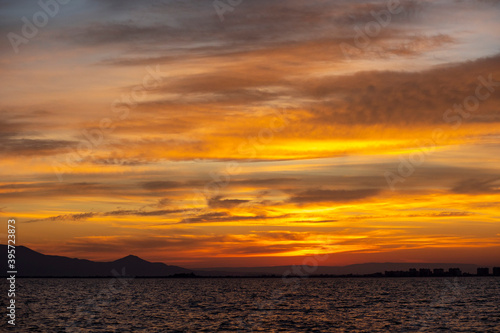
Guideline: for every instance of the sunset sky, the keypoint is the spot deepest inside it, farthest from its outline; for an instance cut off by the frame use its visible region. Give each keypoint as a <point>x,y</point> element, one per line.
<point>199,134</point>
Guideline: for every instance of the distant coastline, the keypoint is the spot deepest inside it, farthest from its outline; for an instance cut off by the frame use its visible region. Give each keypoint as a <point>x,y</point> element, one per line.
<point>33,264</point>
<point>272,276</point>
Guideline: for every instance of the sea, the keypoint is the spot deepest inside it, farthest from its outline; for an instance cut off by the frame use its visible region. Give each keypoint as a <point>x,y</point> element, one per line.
<point>436,304</point>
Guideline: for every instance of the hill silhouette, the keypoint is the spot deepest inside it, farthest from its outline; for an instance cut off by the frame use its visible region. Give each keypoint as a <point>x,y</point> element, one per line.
<point>32,263</point>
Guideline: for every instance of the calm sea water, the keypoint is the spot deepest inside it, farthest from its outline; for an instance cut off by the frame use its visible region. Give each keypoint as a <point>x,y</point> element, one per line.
<point>258,305</point>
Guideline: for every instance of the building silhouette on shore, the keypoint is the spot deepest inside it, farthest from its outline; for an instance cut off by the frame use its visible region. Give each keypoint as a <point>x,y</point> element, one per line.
<point>453,271</point>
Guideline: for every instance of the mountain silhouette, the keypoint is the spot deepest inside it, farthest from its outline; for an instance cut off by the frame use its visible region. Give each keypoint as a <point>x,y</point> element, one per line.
<point>32,263</point>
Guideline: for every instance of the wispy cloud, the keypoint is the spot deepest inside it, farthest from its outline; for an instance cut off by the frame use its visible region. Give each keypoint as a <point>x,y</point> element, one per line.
<point>261,137</point>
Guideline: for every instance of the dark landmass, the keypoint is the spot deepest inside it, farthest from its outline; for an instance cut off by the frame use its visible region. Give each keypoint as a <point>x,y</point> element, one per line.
<point>356,269</point>
<point>30,263</point>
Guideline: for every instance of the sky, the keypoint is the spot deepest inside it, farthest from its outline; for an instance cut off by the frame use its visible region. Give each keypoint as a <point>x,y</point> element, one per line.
<point>252,133</point>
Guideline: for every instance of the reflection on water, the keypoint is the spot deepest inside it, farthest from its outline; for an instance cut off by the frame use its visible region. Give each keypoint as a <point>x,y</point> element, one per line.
<point>259,305</point>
